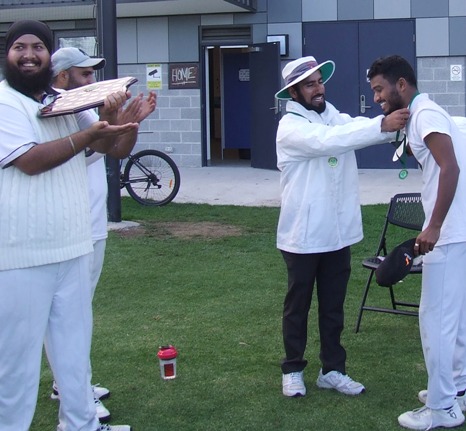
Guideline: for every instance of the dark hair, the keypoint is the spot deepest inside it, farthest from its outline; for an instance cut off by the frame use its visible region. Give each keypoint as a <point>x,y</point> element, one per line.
<point>393,68</point>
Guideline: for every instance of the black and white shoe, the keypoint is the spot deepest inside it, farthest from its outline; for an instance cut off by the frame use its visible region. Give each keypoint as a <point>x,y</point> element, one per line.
<point>100,392</point>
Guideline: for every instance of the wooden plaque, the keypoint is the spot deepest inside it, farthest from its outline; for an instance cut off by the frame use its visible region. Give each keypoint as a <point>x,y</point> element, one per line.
<point>86,97</point>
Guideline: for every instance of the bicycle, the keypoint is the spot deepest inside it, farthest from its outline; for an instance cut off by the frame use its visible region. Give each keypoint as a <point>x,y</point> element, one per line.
<point>151,177</point>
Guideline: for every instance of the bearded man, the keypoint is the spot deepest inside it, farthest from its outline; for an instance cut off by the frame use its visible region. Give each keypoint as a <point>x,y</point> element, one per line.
<point>320,216</point>
<point>45,237</point>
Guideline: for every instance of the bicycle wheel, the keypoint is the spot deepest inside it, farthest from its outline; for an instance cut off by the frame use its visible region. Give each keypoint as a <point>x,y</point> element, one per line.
<point>151,178</point>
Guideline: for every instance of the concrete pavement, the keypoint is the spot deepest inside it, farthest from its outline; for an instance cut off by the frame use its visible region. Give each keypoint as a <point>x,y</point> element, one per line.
<point>246,186</point>
<point>240,185</point>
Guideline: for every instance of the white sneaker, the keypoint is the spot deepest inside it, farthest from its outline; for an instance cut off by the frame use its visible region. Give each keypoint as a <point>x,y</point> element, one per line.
<point>293,384</point>
<point>106,427</point>
<point>422,397</point>
<point>99,392</point>
<point>340,382</point>
<point>427,419</point>
<point>102,412</point>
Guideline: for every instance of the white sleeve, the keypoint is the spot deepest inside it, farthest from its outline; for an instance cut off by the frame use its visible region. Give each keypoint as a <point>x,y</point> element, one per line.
<point>432,121</point>
<point>85,119</point>
<point>299,139</point>
<point>16,137</point>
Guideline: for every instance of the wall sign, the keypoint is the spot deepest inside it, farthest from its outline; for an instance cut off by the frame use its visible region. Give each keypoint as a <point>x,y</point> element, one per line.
<point>456,72</point>
<point>154,76</point>
<point>183,75</point>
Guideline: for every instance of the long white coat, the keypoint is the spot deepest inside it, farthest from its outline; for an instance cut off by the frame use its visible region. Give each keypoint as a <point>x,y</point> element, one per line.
<point>320,206</point>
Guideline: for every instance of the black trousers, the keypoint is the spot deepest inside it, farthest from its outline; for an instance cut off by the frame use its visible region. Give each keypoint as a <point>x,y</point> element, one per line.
<point>330,273</point>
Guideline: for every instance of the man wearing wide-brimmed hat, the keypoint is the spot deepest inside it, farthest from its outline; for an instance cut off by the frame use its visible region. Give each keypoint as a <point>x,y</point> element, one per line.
<point>320,216</point>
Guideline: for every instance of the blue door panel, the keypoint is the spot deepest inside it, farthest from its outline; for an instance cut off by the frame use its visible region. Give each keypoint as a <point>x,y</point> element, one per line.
<point>237,97</point>
<point>353,46</point>
<point>379,39</point>
<point>337,41</point>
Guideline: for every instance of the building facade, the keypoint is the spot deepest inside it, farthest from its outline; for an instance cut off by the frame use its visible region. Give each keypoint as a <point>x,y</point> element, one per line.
<point>202,58</point>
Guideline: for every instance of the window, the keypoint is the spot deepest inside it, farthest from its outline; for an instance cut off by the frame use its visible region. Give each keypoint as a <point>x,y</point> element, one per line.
<point>83,39</point>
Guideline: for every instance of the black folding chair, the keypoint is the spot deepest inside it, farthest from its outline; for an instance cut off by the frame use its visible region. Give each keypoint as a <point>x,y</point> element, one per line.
<point>405,211</point>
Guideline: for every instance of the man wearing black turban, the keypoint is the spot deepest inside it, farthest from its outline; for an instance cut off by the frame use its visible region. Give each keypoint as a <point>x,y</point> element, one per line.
<point>45,238</point>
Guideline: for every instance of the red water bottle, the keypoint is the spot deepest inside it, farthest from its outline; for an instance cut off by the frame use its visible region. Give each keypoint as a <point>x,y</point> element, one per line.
<point>167,359</point>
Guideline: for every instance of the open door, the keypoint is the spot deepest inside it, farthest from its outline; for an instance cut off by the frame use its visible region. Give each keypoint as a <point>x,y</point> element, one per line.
<point>265,80</point>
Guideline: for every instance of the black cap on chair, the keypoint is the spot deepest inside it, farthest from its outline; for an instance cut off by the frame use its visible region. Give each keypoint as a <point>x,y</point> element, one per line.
<point>396,265</point>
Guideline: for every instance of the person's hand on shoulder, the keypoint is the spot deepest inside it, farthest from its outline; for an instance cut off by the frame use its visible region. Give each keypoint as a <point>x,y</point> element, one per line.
<point>395,121</point>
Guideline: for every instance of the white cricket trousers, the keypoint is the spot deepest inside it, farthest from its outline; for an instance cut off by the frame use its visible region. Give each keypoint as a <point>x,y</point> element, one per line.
<point>96,262</point>
<point>52,302</point>
<point>442,322</point>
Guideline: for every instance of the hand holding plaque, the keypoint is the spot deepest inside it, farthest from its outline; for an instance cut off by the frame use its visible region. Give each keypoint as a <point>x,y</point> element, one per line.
<point>86,97</point>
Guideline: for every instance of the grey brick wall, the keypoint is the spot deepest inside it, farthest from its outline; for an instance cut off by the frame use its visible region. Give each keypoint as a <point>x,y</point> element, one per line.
<point>434,79</point>
<point>175,126</point>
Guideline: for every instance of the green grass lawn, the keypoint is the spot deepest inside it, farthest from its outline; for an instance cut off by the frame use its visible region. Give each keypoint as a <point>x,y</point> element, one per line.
<point>209,280</point>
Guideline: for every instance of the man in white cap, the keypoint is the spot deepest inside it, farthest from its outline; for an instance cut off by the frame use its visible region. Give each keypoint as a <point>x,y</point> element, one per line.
<point>73,68</point>
<point>320,216</point>
<point>68,59</point>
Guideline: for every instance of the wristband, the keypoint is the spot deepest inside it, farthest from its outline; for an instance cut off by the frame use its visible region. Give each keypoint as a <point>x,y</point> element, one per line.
<point>72,144</point>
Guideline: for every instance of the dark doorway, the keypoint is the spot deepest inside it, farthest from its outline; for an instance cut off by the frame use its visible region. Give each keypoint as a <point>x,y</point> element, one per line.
<point>241,108</point>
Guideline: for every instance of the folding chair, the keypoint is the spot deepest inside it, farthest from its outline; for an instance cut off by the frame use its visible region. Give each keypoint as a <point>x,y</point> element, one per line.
<point>405,211</point>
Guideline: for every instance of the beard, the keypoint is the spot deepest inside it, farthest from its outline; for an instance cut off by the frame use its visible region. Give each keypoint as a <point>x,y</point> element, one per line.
<point>72,83</point>
<point>309,106</point>
<point>29,85</point>
<point>394,102</point>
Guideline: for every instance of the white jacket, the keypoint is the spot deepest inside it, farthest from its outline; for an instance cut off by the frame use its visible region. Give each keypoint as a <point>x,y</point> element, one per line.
<point>320,207</point>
